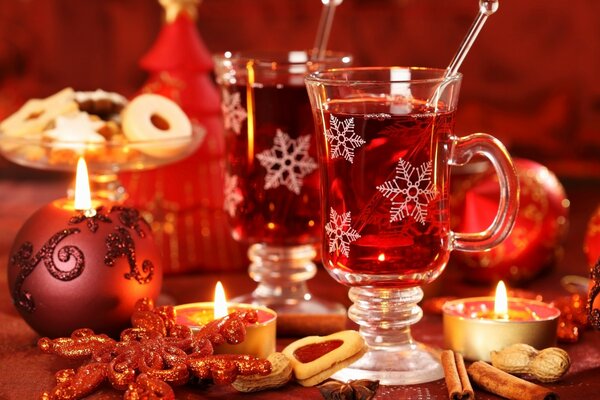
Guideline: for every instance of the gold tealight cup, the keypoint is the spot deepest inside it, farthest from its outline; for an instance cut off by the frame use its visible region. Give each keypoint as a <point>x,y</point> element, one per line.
<point>260,336</point>
<point>474,329</point>
<point>260,339</point>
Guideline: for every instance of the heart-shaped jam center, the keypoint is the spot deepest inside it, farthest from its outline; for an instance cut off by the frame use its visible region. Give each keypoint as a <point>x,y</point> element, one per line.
<point>311,352</point>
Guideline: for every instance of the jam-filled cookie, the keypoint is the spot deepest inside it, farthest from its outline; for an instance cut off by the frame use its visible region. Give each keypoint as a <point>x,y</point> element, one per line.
<point>316,358</point>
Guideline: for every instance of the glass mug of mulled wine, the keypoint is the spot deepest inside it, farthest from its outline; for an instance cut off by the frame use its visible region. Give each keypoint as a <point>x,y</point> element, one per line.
<point>385,146</point>
<point>272,179</point>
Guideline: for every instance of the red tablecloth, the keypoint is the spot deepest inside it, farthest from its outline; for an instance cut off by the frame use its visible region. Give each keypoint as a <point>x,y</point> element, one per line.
<point>25,372</point>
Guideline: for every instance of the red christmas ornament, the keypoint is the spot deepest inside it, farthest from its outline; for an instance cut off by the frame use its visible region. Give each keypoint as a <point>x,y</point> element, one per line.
<point>540,227</point>
<point>71,269</point>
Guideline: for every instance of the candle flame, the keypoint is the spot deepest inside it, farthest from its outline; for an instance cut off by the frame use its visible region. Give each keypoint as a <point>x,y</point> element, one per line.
<point>220,309</point>
<point>83,197</point>
<point>501,301</point>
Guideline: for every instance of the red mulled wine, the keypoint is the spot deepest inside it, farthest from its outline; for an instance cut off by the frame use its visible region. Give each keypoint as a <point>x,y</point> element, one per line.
<point>385,190</point>
<point>274,159</point>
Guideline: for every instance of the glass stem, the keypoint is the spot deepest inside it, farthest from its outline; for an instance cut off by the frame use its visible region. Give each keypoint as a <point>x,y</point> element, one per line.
<point>385,315</point>
<point>282,272</point>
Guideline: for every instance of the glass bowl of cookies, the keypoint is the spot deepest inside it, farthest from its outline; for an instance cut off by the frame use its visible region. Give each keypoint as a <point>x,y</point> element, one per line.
<point>111,133</point>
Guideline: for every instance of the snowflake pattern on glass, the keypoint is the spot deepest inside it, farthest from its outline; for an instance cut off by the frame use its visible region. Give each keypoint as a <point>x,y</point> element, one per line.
<point>287,162</point>
<point>340,233</point>
<point>342,139</point>
<point>233,195</point>
<point>410,191</point>
<point>233,112</point>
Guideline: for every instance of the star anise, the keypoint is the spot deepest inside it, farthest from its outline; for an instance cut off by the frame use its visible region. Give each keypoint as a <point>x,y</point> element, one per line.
<point>360,389</point>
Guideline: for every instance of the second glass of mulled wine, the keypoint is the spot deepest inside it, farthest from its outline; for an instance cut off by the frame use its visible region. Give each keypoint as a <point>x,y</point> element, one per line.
<point>272,179</point>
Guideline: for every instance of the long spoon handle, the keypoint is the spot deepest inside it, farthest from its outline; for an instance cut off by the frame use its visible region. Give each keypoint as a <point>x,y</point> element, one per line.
<point>324,29</point>
<point>486,8</point>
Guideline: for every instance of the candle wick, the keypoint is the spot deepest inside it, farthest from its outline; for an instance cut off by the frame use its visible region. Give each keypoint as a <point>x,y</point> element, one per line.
<point>502,316</point>
<point>89,213</point>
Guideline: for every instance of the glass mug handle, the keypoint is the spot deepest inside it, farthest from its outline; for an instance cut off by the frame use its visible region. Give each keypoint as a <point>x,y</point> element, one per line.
<point>463,149</point>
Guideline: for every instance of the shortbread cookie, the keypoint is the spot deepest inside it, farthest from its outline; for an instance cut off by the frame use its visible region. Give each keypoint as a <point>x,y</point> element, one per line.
<point>155,118</point>
<point>75,131</point>
<point>316,358</point>
<point>36,114</point>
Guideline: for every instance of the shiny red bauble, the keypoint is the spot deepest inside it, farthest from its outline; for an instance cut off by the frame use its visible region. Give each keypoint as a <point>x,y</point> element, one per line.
<point>72,269</point>
<point>540,227</point>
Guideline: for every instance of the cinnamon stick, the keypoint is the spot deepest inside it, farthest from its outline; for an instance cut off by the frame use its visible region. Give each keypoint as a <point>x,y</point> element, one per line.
<point>503,384</point>
<point>455,374</point>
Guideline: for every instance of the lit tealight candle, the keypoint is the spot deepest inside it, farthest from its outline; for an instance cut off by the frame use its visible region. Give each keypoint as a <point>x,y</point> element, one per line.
<point>260,336</point>
<point>476,326</point>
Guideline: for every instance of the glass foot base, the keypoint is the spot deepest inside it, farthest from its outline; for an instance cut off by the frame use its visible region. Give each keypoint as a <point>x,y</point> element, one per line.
<point>408,364</point>
<point>281,273</point>
<point>299,318</point>
<point>312,306</point>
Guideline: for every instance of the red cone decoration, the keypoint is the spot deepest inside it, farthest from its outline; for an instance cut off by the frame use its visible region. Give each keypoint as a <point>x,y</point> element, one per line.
<point>184,201</point>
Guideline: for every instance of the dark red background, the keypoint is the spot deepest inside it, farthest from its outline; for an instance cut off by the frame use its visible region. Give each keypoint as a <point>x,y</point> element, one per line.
<point>531,79</point>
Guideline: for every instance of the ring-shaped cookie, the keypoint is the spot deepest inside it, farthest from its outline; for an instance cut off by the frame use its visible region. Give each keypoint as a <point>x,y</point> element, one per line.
<point>158,123</point>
